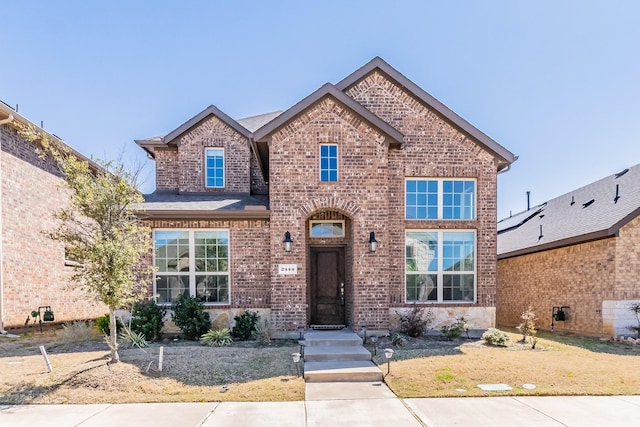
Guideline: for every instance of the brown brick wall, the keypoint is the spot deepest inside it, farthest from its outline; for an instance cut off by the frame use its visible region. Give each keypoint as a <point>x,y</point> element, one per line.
<point>33,270</point>
<point>167,169</point>
<point>580,276</point>
<point>628,262</point>
<point>213,133</point>
<point>432,148</point>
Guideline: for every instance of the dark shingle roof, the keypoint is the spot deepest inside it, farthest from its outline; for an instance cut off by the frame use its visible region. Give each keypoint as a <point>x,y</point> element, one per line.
<point>206,206</point>
<point>588,213</point>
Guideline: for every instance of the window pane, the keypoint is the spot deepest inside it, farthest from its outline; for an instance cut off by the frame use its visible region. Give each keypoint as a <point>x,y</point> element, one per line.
<point>215,167</point>
<point>212,289</point>
<point>457,287</point>
<point>421,252</point>
<point>168,288</point>
<point>458,198</point>
<point>171,251</point>
<point>328,163</point>
<point>458,251</point>
<point>422,287</point>
<point>421,199</point>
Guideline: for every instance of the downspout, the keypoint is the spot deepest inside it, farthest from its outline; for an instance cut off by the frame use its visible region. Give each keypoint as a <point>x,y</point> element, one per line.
<point>2,331</point>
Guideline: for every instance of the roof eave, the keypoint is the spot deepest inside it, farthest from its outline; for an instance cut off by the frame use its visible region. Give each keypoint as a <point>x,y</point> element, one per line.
<point>200,214</point>
<point>210,110</point>
<point>505,157</point>
<point>583,238</point>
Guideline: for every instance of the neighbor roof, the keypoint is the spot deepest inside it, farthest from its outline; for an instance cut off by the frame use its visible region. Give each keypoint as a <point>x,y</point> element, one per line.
<point>595,211</point>
<point>504,156</point>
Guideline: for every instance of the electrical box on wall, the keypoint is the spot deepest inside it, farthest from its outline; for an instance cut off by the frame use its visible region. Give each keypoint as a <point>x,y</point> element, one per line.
<point>287,269</point>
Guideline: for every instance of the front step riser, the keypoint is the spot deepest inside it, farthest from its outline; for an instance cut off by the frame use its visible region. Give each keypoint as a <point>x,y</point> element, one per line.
<point>339,357</point>
<point>329,342</point>
<point>343,377</point>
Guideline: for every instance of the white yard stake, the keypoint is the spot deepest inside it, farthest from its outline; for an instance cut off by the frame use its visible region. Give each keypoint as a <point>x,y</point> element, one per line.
<point>46,358</point>
<point>160,359</point>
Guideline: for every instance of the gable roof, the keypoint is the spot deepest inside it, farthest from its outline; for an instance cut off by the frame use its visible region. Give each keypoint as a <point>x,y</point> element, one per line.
<point>504,156</point>
<point>262,135</point>
<point>150,144</point>
<point>254,123</point>
<point>595,211</point>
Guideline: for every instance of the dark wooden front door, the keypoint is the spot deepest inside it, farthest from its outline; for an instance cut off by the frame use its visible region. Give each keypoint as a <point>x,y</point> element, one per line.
<point>327,293</point>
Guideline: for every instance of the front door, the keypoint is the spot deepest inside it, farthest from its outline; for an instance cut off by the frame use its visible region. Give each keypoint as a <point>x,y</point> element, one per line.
<point>327,293</point>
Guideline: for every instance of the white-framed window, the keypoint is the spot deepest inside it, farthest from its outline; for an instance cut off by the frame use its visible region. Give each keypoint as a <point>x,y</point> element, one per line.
<point>328,162</point>
<point>440,198</point>
<point>214,167</point>
<point>440,265</point>
<point>191,262</point>
<point>326,228</point>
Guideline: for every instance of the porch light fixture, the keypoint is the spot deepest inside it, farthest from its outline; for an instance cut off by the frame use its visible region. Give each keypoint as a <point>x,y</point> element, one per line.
<point>388,353</point>
<point>373,243</point>
<point>287,242</point>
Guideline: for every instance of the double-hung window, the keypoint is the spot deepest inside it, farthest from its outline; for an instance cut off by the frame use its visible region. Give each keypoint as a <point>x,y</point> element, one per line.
<point>214,167</point>
<point>440,266</point>
<point>437,198</point>
<point>192,262</point>
<point>328,163</point>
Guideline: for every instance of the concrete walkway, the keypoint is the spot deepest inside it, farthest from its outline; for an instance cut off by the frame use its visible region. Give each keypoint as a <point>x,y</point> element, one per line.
<point>342,404</point>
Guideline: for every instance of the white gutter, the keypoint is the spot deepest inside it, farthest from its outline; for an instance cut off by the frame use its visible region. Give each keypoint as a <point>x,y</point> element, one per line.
<point>2,331</point>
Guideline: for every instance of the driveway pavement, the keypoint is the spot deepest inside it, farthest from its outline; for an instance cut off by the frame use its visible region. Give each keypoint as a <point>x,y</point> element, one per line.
<point>342,404</point>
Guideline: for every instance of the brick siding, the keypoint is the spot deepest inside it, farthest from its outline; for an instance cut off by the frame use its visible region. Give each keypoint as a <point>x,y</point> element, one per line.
<point>33,268</point>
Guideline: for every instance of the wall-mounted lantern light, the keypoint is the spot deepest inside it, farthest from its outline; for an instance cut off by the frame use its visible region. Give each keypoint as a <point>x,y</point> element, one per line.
<point>288,243</point>
<point>373,243</point>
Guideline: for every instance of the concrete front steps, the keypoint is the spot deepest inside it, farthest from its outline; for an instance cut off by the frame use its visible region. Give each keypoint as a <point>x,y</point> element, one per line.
<point>331,356</point>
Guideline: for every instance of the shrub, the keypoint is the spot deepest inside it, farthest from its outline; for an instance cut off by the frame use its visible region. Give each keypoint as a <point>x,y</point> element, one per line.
<point>133,338</point>
<point>245,325</point>
<point>218,338</point>
<point>635,309</point>
<point>528,326</point>
<point>399,339</point>
<point>263,331</point>
<point>102,323</point>
<point>189,315</point>
<point>146,319</point>
<point>495,337</point>
<point>77,331</point>
<point>456,329</point>
<point>415,323</point>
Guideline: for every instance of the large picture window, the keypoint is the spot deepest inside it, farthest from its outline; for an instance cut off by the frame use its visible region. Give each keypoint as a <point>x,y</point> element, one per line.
<point>192,262</point>
<point>440,266</point>
<point>440,198</point>
<point>214,159</point>
<point>328,163</point>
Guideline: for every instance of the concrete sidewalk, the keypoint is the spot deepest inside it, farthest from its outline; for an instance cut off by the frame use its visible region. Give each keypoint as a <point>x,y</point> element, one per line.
<point>342,404</point>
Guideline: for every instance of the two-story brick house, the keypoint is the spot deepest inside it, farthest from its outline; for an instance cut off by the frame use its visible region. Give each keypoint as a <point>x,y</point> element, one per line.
<point>363,199</point>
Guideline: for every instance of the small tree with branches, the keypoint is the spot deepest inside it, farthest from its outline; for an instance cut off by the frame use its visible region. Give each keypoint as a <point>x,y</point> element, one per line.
<point>99,228</point>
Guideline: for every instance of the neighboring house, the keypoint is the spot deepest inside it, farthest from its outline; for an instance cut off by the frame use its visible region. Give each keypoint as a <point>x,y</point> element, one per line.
<point>364,199</point>
<point>580,250</point>
<point>34,271</point>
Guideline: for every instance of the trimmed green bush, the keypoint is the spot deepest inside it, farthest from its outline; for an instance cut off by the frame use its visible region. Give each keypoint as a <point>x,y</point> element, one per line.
<point>146,319</point>
<point>495,337</point>
<point>189,315</point>
<point>102,323</point>
<point>245,325</point>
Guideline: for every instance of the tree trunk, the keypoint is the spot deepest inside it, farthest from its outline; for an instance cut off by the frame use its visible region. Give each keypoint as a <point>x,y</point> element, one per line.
<point>113,336</point>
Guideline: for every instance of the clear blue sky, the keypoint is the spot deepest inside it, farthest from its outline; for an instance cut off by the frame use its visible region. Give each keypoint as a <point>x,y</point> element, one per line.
<point>555,82</point>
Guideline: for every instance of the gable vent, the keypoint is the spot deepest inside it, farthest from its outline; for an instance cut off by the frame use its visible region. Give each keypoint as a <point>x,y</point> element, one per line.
<point>587,204</point>
<point>619,174</point>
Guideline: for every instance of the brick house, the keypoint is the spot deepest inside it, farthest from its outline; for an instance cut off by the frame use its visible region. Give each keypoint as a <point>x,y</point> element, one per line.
<point>33,270</point>
<point>578,253</point>
<point>364,199</point>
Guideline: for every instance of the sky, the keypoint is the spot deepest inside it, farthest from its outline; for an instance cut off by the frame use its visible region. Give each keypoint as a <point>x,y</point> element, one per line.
<point>555,82</point>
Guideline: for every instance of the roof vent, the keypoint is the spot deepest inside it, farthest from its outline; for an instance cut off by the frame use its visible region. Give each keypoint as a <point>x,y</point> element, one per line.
<point>573,202</point>
<point>587,204</point>
<point>615,199</point>
<point>540,236</point>
<point>619,174</point>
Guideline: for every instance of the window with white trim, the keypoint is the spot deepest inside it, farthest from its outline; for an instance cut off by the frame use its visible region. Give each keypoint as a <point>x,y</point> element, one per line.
<point>191,262</point>
<point>328,163</point>
<point>439,198</point>
<point>214,167</point>
<point>440,266</point>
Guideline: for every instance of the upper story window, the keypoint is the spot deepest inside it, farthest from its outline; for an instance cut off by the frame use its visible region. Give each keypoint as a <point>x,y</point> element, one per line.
<point>214,167</point>
<point>439,198</point>
<point>328,163</point>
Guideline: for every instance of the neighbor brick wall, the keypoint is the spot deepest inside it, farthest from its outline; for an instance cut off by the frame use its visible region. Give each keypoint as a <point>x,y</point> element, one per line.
<point>627,283</point>
<point>249,254</point>
<point>432,148</point>
<point>33,269</point>
<point>191,154</point>
<point>580,276</point>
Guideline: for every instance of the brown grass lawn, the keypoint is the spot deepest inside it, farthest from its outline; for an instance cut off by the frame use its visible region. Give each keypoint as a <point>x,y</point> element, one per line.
<point>558,366</point>
<point>191,372</point>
